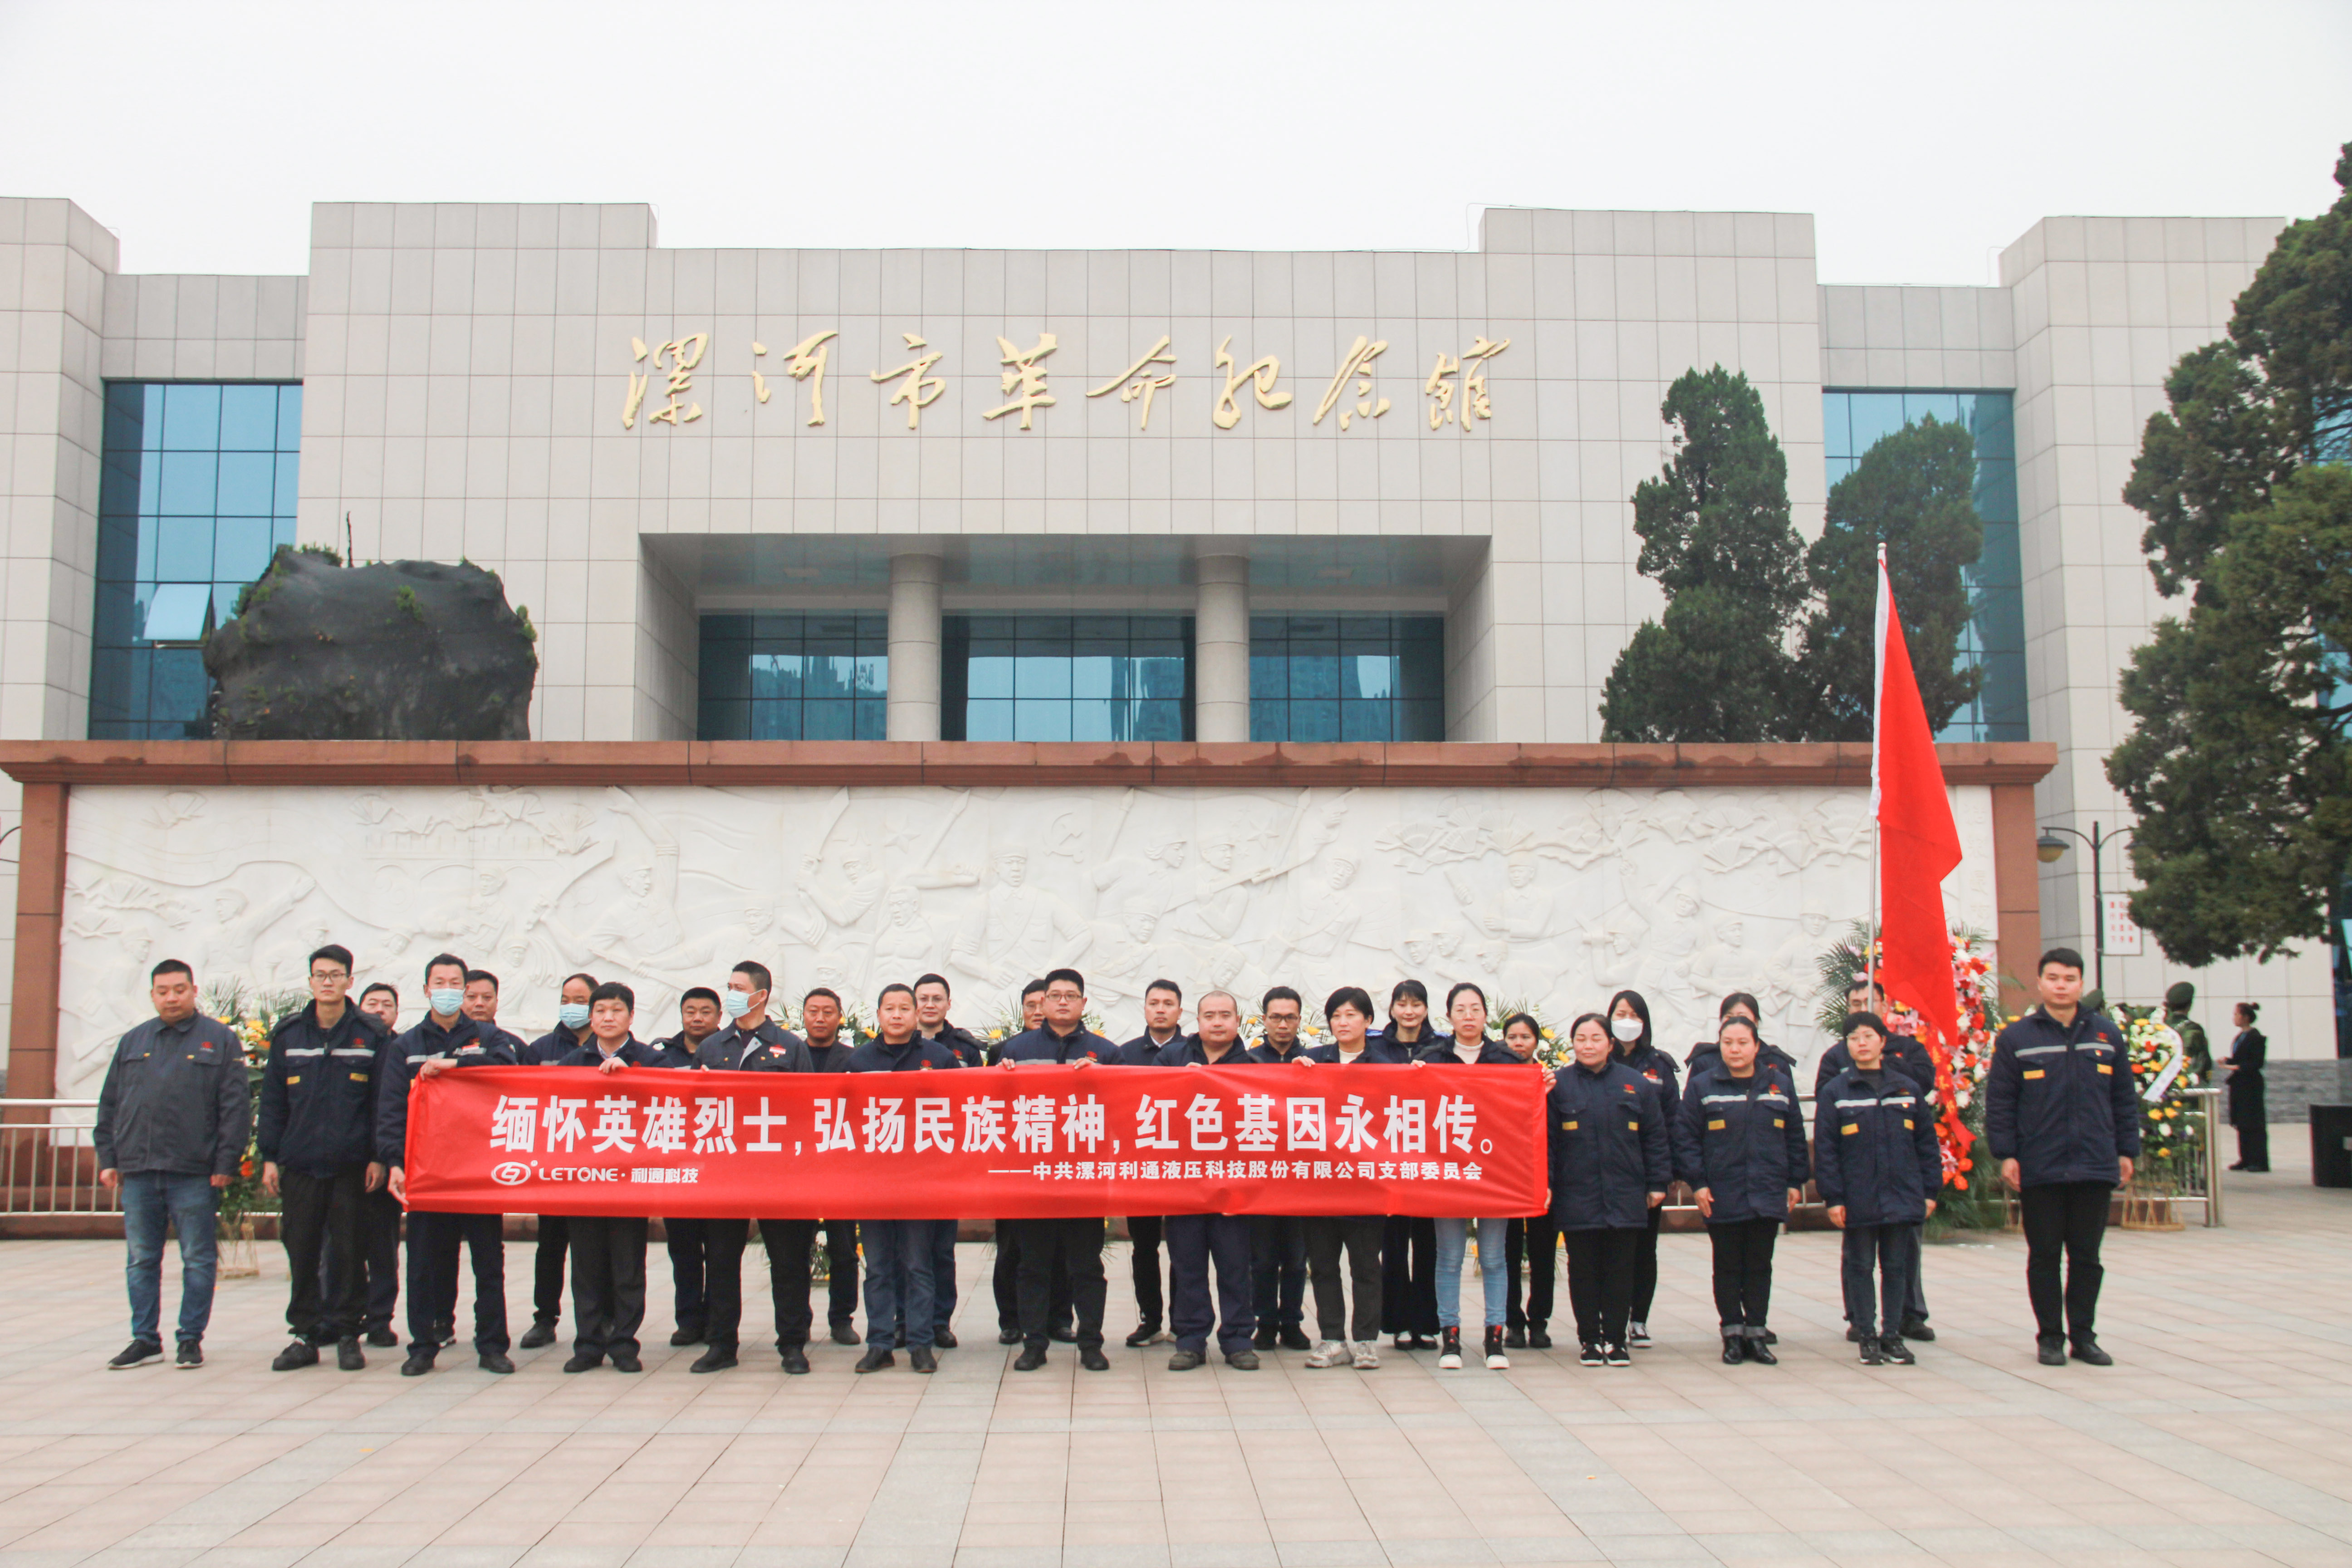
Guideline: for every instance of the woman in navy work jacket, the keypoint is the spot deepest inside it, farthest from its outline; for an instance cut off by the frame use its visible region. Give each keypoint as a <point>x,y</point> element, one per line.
<point>1628,1025</point>
<point>1611,1160</point>
<point>1879,1169</point>
<point>1408,1244</point>
<point>1740,1145</point>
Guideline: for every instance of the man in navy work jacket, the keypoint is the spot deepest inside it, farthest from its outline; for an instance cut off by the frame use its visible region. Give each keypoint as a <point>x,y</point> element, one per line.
<point>1164,1026</point>
<point>933,996</point>
<point>1278,1242</point>
<point>753,1042</point>
<point>172,1124</point>
<point>316,1136</point>
<point>443,1040</point>
<point>571,1033</point>
<point>1195,1241</point>
<point>2062,1119</point>
<point>1879,1169</point>
<point>899,1280</point>
<point>381,1224</point>
<point>1061,1039</point>
<point>830,1050</point>
<point>687,1240</point>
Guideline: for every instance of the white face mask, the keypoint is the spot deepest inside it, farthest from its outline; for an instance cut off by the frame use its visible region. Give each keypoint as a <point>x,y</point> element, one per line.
<point>1626,1029</point>
<point>735,1002</point>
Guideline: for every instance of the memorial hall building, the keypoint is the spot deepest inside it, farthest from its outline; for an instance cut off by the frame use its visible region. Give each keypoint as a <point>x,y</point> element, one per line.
<point>1131,499</point>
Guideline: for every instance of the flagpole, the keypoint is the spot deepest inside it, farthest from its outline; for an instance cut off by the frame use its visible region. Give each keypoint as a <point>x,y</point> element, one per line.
<point>1870,963</point>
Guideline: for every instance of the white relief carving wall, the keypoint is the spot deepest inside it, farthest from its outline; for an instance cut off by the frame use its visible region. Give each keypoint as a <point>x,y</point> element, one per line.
<point>1549,897</point>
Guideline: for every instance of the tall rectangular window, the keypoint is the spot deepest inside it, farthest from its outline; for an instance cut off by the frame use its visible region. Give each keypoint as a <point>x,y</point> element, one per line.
<point>1994,639</point>
<point>1347,677</point>
<point>196,493</point>
<point>1067,678</point>
<point>787,677</point>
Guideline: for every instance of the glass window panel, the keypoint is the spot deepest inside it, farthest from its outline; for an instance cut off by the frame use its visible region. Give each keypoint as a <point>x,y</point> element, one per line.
<point>240,548</point>
<point>1098,718</point>
<point>281,531</point>
<point>110,682</point>
<point>1269,719</point>
<point>1943,406</point>
<point>183,549</point>
<point>289,417</point>
<point>192,418</point>
<point>1269,673</point>
<point>989,676</point>
<point>1372,675</point>
<point>1047,721</point>
<point>725,674</point>
<point>873,673</point>
<point>873,720</point>
<point>180,687</point>
<point>287,487</point>
<point>1365,721</point>
<point>828,720</point>
<point>1097,675</point>
<point>190,480</point>
<point>150,531</point>
<point>1837,426</point>
<point>1876,416</point>
<point>118,550</point>
<point>988,721</point>
<point>1421,721</point>
<point>776,720</point>
<point>247,481</point>
<point>149,500</point>
<point>717,720</point>
<point>1035,676</point>
<point>249,419</point>
<point>1315,720</point>
<point>1313,675</point>
<point>1159,721</point>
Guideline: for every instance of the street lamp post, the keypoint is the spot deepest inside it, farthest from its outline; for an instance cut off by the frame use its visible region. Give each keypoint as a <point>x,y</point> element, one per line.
<point>2049,849</point>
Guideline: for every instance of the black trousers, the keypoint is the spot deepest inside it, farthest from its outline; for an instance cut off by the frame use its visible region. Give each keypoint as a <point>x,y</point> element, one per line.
<point>547,1269</point>
<point>1194,1241</point>
<point>322,1217</point>
<point>1052,1249</point>
<point>1408,1275</point>
<point>1645,1269</point>
<point>380,1214</point>
<point>2068,1217</point>
<point>1150,1304</point>
<point>1602,1269</point>
<point>686,1241</point>
<point>789,1243</point>
<point>1532,1243</point>
<point>2254,1145</point>
<point>608,1282</point>
<point>1278,1269</point>
<point>1743,1271</point>
<point>841,1271</point>
<point>1887,1250</point>
<point>434,1240</point>
<point>1006,1282</point>
<point>1361,1235</point>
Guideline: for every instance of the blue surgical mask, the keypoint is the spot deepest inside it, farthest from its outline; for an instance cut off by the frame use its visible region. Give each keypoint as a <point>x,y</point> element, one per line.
<point>573,1014</point>
<point>447,1000</point>
<point>735,1003</point>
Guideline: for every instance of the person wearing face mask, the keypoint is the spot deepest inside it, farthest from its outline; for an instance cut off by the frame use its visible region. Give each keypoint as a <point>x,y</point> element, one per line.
<point>830,1051</point>
<point>1075,1244</point>
<point>380,1211</point>
<point>1348,1339</point>
<point>1197,1240</point>
<point>1164,1026</point>
<point>1611,1161</point>
<point>1409,1242</point>
<point>1465,1009</point>
<point>899,1251</point>
<point>608,1251</point>
<point>1532,1242</point>
<point>1879,1169</point>
<point>443,1040</point>
<point>555,1244</point>
<point>1628,1024</point>
<point>750,1041</point>
<point>1278,1242</point>
<point>933,997</point>
<point>687,1241</point>
<point>1739,1144</point>
<point>316,1136</point>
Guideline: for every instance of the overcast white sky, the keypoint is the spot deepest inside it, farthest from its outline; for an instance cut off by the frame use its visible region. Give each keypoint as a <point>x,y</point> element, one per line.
<point>1924,137</point>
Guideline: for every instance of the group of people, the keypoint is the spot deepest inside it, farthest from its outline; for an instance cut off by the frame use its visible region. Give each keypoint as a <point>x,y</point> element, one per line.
<point>1621,1129</point>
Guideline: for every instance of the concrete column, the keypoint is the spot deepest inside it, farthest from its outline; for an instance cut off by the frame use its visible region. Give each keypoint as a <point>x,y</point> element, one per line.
<point>913,707</point>
<point>1221,650</point>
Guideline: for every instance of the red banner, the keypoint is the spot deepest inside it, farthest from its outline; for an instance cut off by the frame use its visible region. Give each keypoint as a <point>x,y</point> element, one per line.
<point>1034,1142</point>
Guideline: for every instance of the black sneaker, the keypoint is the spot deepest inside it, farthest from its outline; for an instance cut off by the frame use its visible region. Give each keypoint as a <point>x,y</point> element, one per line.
<point>1892,1348</point>
<point>1242,1361</point>
<point>922,1359</point>
<point>846,1335</point>
<point>419,1362</point>
<point>718,1358</point>
<point>1031,1358</point>
<point>1142,1336</point>
<point>535,1336</point>
<point>1853,1335</point>
<point>1637,1335</point>
<point>189,1356</point>
<point>138,1353</point>
<point>2051,1351</point>
<point>626,1361</point>
<point>444,1335</point>
<point>2086,1350</point>
<point>1871,1354</point>
<point>1187,1361</point>
<point>1515,1338</point>
<point>1294,1339</point>
<point>1918,1329</point>
<point>1618,1355</point>
<point>1267,1338</point>
<point>1092,1359</point>
<point>349,1357</point>
<point>686,1336</point>
<point>1590,1353</point>
<point>386,1340</point>
<point>944,1340</point>
<point>1012,1337</point>
<point>301,1353</point>
<point>1538,1337</point>
<point>795,1359</point>
<point>874,1360</point>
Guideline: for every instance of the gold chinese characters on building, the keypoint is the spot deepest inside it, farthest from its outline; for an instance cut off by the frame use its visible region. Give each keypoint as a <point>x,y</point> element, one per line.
<point>1456,389</point>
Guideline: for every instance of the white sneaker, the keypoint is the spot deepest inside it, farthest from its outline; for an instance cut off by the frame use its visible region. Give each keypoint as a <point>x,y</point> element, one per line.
<point>1164,1337</point>
<point>1367,1355</point>
<point>1449,1343</point>
<point>1330,1352</point>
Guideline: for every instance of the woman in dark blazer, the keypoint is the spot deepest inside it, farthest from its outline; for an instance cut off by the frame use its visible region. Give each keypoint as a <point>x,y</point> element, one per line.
<point>2247,1114</point>
<point>1409,1245</point>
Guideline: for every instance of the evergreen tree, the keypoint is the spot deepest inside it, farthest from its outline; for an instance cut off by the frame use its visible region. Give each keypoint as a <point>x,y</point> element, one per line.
<point>1914,491</point>
<point>1715,535</point>
<point>2239,761</point>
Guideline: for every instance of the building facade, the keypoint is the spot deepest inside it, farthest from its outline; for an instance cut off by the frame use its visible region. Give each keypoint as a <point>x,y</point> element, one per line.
<point>1069,495</point>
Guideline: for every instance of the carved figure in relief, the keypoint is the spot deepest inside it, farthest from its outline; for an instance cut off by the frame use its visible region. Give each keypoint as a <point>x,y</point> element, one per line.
<point>1019,930</point>
<point>1126,957</point>
<point>1321,918</point>
<point>907,941</point>
<point>238,924</point>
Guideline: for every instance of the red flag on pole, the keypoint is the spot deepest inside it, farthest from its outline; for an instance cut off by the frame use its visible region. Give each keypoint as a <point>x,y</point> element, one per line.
<point>1918,843</point>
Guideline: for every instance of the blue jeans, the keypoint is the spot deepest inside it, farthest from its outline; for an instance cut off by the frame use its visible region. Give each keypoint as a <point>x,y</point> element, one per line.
<point>1494,1268</point>
<point>899,1282</point>
<point>149,1197</point>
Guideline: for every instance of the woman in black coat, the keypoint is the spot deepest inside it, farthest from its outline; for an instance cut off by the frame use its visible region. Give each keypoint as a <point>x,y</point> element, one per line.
<point>1409,1245</point>
<point>1628,1025</point>
<point>2247,1114</point>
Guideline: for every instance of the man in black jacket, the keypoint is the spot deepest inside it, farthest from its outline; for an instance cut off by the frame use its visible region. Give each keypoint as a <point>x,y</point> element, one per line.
<point>687,1241</point>
<point>1061,1039</point>
<point>829,1051</point>
<point>380,1210</point>
<point>897,1251</point>
<point>1164,1026</point>
<point>172,1123</point>
<point>2062,1118</point>
<point>932,999</point>
<point>1278,1242</point>
<point>443,1040</point>
<point>317,1141</point>
<point>1196,1241</point>
<point>555,1244</point>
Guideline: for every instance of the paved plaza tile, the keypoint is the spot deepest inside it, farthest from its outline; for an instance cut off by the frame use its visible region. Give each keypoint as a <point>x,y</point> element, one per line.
<point>2221,1437</point>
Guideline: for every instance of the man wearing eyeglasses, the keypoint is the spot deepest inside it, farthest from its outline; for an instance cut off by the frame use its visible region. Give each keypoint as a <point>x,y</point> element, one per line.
<point>317,1140</point>
<point>1061,1039</point>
